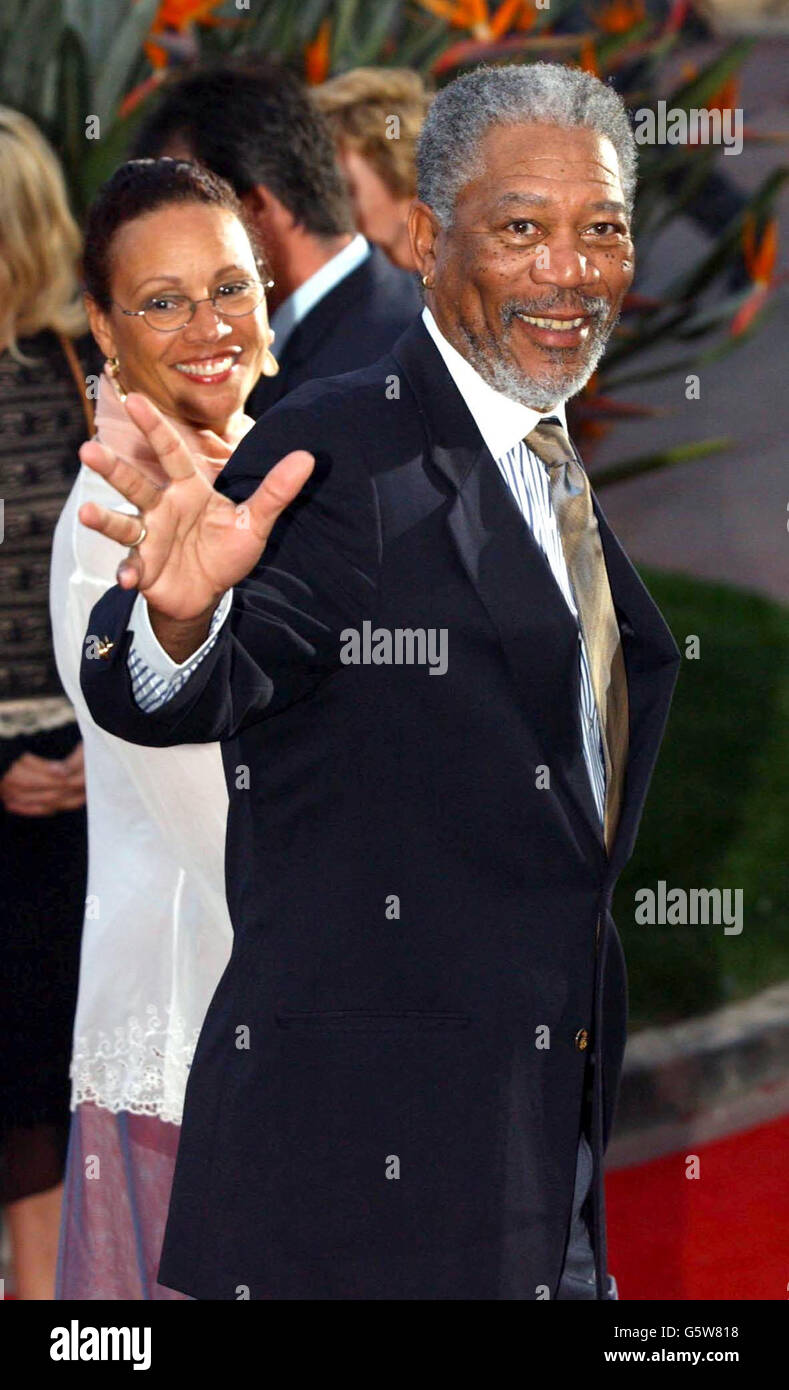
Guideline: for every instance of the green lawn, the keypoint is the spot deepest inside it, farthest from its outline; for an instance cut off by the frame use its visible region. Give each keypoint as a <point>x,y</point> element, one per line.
<point>717,809</point>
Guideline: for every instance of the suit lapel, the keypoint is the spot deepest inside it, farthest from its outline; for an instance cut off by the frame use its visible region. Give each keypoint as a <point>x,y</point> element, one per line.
<point>651,661</point>
<point>511,576</point>
<point>536,629</point>
<point>306,338</point>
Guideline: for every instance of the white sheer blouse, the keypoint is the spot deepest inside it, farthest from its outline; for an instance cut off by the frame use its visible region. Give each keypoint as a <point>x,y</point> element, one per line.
<point>157,934</point>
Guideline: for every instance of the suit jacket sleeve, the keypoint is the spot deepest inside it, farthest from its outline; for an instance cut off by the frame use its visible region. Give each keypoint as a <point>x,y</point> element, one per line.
<point>318,576</point>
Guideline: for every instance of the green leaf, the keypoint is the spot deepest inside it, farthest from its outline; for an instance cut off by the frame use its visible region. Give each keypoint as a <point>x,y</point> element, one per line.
<point>10,15</point>
<point>29,45</point>
<point>105,155</point>
<point>368,51</point>
<point>647,334</point>
<point>700,167</point>
<point>696,93</point>
<point>121,60</point>
<point>97,22</point>
<point>654,463</point>
<point>310,14</point>
<point>692,282</point>
<point>342,33</point>
<point>677,364</point>
<point>424,45</point>
<point>72,103</point>
<point>710,316</point>
<point>616,45</point>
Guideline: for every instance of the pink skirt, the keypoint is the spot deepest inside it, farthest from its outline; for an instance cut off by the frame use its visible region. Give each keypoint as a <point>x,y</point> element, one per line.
<point>119,1173</point>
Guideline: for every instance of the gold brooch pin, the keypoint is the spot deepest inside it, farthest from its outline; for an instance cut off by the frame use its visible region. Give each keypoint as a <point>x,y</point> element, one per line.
<point>105,647</point>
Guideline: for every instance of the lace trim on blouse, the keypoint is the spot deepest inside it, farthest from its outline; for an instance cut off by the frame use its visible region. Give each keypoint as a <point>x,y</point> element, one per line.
<point>141,1066</point>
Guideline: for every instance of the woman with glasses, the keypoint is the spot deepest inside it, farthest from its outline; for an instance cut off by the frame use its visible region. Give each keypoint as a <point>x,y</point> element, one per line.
<point>175,295</point>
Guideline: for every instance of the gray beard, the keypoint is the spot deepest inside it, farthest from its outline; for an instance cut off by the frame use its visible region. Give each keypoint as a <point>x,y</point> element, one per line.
<point>546,391</point>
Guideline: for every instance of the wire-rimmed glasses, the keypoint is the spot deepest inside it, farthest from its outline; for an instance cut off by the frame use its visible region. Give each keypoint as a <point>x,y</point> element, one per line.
<point>168,312</point>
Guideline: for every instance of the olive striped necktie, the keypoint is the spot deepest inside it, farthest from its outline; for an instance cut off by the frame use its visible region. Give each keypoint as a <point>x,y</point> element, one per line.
<point>583,552</point>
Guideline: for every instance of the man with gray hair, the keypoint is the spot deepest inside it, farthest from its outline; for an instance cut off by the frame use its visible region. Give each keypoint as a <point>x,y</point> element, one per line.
<point>406,1079</point>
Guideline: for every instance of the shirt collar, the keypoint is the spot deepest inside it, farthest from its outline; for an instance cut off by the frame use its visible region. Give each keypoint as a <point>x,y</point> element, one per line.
<point>501,421</point>
<point>298,304</point>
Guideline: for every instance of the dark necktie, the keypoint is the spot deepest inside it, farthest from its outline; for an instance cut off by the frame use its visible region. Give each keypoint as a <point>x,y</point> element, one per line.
<point>583,552</point>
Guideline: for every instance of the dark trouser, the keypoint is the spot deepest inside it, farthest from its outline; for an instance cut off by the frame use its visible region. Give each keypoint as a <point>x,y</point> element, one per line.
<point>578,1274</point>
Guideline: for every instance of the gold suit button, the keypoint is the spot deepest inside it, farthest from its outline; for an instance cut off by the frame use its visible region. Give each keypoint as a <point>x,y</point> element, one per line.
<point>105,647</point>
<point>582,1039</point>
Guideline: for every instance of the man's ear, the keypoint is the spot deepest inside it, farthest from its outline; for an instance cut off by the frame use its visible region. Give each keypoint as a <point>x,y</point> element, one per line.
<point>265,209</point>
<point>100,326</point>
<point>423,230</point>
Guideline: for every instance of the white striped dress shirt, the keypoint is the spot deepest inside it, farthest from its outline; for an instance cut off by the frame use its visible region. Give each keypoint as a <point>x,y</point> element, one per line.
<point>155,677</point>
<point>504,425</point>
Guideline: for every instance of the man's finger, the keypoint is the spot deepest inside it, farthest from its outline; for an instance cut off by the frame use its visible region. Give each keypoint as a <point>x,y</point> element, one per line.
<point>117,526</point>
<point>163,438</point>
<point>131,481</point>
<point>97,456</point>
<point>279,488</point>
<point>124,477</point>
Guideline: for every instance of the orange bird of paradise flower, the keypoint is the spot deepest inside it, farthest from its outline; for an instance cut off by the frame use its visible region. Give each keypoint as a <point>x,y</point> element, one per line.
<point>587,58</point>
<point>178,16</point>
<point>760,262</point>
<point>317,56</point>
<point>476,17</point>
<point>620,15</point>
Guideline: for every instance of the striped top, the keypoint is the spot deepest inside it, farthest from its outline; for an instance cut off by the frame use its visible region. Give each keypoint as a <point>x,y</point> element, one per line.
<point>155,677</point>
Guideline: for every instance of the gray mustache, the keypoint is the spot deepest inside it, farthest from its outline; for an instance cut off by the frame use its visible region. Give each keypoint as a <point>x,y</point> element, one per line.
<point>593,305</point>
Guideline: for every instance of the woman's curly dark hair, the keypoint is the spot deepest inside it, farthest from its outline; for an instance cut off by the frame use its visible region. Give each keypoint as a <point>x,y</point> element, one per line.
<point>144,185</point>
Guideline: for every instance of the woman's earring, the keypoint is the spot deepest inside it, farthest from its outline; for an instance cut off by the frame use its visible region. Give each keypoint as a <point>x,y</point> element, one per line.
<point>426,281</point>
<point>270,363</point>
<point>113,371</point>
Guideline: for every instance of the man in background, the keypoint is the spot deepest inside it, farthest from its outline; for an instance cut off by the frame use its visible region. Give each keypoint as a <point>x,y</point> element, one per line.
<point>337,303</point>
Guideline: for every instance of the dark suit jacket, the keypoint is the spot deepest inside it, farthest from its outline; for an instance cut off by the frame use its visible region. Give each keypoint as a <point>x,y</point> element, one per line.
<point>351,327</point>
<point>412,909</point>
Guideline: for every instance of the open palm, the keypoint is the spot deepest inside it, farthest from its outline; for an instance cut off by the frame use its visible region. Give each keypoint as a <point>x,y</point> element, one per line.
<point>198,543</point>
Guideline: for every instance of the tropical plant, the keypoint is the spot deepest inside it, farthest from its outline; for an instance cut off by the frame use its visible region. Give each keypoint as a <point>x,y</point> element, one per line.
<point>86,70</point>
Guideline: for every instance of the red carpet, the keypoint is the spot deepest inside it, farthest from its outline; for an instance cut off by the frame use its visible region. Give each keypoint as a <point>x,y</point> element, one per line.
<point>722,1235</point>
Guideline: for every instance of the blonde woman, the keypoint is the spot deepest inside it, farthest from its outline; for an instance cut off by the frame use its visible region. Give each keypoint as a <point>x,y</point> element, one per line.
<point>45,360</point>
<point>375,115</point>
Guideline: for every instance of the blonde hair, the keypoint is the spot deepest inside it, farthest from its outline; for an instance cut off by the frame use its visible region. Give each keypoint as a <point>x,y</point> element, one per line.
<point>40,242</point>
<point>359,105</point>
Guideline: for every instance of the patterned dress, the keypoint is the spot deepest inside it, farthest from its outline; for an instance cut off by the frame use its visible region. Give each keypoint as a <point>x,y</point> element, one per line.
<point>42,858</point>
